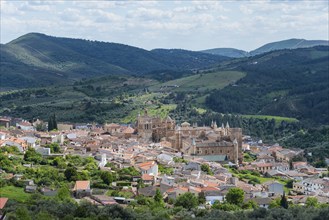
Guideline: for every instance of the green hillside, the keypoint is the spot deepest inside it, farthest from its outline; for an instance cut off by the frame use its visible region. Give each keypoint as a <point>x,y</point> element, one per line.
<point>200,82</point>
<point>228,52</point>
<point>39,60</point>
<point>288,83</point>
<point>98,99</point>
<point>288,44</point>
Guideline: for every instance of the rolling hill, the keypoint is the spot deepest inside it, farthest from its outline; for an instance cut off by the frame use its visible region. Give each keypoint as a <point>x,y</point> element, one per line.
<point>38,60</point>
<point>200,82</point>
<point>279,45</point>
<point>289,83</point>
<point>228,52</point>
<point>288,44</point>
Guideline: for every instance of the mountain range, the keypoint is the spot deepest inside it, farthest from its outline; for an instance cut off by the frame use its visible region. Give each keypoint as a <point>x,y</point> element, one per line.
<point>37,59</point>
<point>285,44</point>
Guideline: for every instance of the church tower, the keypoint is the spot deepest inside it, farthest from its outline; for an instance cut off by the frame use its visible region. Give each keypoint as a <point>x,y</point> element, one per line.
<point>236,152</point>
<point>193,146</point>
<point>178,139</point>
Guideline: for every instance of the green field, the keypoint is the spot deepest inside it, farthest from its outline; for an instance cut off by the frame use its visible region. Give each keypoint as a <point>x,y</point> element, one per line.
<point>278,119</point>
<point>153,110</point>
<point>14,193</point>
<point>201,82</point>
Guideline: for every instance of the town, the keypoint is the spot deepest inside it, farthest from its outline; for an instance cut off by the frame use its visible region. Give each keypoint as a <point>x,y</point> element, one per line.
<point>120,164</point>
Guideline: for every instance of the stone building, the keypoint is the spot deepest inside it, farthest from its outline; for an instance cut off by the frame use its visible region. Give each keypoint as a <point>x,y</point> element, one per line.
<point>154,128</point>
<point>217,142</point>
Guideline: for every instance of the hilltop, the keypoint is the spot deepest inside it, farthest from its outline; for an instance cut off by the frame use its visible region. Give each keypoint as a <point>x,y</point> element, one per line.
<point>290,83</point>
<point>229,52</point>
<point>279,45</point>
<point>38,60</point>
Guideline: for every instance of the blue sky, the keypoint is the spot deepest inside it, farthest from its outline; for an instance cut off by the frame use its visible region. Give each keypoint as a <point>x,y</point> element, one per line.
<point>193,25</point>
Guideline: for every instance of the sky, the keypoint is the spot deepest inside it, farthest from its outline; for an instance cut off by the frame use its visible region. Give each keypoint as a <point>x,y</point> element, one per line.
<point>192,25</point>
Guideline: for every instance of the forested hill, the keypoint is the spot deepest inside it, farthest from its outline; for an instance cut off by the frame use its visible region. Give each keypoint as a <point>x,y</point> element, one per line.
<point>290,83</point>
<point>279,45</point>
<point>37,59</point>
<point>229,52</point>
<point>288,44</point>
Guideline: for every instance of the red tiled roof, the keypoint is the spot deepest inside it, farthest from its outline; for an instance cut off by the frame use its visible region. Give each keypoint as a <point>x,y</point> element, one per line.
<point>3,202</point>
<point>209,188</point>
<point>264,165</point>
<point>82,185</point>
<point>129,130</point>
<point>146,165</point>
<point>147,177</point>
<point>113,125</point>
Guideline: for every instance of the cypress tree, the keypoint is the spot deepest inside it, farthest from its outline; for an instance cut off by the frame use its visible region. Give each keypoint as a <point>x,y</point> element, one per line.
<point>50,124</point>
<point>284,201</point>
<point>55,122</point>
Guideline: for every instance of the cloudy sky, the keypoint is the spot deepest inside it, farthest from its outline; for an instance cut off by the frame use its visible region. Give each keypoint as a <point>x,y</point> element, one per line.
<point>193,25</point>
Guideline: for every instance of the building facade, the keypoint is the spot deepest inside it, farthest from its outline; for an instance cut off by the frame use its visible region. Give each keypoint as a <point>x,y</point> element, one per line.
<point>225,142</point>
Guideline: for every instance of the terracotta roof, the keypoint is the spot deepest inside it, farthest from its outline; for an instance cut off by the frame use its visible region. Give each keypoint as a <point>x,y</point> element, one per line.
<point>211,184</point>
<point>81,185</point>
<point>146,165</point>
<point>129,130</point>
<point>178,188</point>
<point>209,188</point>
<point>3,202</point>
<point>113,125</point>
<point>147,177</point>
<point>264,165</point>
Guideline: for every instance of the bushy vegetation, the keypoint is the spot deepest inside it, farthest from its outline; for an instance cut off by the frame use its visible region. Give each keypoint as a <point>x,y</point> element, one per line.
<point>290,83</point>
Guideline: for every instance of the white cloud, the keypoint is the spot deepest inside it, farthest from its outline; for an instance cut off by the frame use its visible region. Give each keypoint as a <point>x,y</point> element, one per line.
<point>189,24</point>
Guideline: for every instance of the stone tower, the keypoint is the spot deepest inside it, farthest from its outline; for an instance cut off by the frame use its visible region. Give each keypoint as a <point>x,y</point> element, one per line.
<point>236,152</point>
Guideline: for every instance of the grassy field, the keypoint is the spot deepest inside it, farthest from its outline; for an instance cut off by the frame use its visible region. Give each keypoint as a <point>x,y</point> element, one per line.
<point>14,193</point>
<point>201,82</point>
<point>153,110</point>
<point>277,119</point>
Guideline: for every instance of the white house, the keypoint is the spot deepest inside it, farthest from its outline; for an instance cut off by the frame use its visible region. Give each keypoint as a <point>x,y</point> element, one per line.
<point>149,167</point>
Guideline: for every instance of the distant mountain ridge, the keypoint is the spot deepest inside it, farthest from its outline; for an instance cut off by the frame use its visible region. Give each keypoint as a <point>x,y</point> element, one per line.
<point>228,52</point>
<point>289,44</point>
<point>279,45</point>
<point>37,59</point>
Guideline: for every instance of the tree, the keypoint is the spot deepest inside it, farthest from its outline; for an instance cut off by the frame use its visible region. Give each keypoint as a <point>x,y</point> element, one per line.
<point>23,213</point>
<point>59,162</point>
<point>235,196</point>
<point>251,204</point>
<point>206,168</point>
<point>71,174</point>
<point>201,198</point>
<point>32,156</point>
<point>311,202</point>
<point>158,198</point>
<point>284,201</point>
<point>54,147</point>
<point>275,203</point>
<point>106,177</point>
<point>64,193</point>
<point>52,123</point>
<point>187,200</point>
<point>43,215</point>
